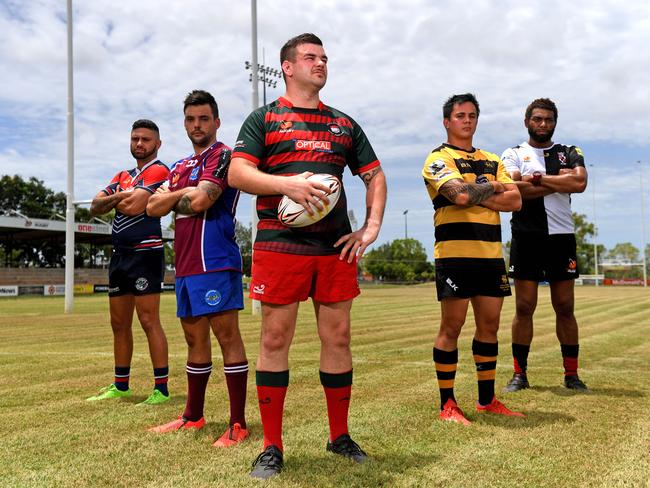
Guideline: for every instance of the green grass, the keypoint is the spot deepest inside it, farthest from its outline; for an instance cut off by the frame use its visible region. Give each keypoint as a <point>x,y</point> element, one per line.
<point>50,362</point>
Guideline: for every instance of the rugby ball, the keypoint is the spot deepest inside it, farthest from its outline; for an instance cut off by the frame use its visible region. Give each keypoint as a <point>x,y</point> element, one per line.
<point>293,214</point>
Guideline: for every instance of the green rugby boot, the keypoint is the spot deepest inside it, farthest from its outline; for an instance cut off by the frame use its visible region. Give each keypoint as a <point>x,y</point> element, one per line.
<point>109,392</point>
<point>155,398</point>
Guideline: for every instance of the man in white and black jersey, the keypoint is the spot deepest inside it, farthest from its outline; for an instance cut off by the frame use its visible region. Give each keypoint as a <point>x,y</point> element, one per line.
<point>543,239</point>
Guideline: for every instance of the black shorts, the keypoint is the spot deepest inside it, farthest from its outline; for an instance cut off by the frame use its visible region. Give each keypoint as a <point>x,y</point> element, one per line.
<point>543,258</point>
<point>469,278</point>
<point>136,273</point>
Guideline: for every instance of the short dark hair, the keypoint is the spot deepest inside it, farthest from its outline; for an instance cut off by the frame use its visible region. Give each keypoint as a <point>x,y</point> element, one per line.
<point>448,107</point>
<point>201,97</point>
<point>288,51</point>
<point>544,103</point>
<point>145,124</point>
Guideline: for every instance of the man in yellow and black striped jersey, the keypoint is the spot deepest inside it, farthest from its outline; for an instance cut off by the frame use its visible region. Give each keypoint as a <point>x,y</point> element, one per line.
<point>468,188</point>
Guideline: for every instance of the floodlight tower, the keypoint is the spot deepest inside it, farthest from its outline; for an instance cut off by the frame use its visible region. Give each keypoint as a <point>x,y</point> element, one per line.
<point>267,76</point>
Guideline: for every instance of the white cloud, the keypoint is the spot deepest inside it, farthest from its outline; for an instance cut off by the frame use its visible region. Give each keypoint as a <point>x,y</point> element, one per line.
<point>392,65</point>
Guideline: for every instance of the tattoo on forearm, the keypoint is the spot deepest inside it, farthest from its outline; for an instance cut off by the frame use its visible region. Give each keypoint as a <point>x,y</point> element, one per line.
<point>211,189</point>
<point>184,206</point>
<point>369,175</point>
<point>104,205</point>
<point>477,192</point>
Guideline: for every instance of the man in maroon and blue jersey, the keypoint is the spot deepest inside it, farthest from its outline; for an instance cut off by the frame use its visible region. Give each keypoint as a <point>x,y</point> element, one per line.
<point>137,264</point>
<point>278,147</point>
<point>208,266</point>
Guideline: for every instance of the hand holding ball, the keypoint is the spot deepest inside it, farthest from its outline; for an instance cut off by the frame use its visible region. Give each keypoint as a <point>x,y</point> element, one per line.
<point>293,214</point>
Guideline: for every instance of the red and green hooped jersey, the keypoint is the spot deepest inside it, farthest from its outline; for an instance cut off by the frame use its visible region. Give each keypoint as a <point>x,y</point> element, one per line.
<point>281,139</point>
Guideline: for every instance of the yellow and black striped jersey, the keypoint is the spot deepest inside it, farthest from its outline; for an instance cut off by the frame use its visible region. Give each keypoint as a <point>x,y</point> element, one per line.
<point>472,233</point>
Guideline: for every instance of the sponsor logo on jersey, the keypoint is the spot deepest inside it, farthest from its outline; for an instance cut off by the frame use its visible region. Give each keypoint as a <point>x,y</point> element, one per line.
<point>259,289</point>
<point>240,144</point>
<point>335,129</point>
<point>114,289</point>
<point>562,158</point>
<point>194,174</point>
<point>321,146</point>
<point>141,284</point>
<point>212,298</point>
<point>436,167</point>
<point>286,126</point>
<point>526,159</point>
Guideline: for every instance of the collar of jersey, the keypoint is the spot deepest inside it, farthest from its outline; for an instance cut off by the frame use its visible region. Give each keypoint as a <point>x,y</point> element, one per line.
<point>288,104</point>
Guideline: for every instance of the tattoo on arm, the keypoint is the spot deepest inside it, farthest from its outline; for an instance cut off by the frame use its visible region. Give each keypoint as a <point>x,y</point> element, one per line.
<point>477,192</point>
<point>369,175</point>
<point>104,205</point>
<point>211,189</point>
<point>184,206</point>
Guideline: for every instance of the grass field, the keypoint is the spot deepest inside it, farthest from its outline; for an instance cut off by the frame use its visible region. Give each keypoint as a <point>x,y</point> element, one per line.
<point>50,436</point>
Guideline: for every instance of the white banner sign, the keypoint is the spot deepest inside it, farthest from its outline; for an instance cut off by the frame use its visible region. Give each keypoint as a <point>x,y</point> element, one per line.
<point>8,291</point>
<point>51,290</point>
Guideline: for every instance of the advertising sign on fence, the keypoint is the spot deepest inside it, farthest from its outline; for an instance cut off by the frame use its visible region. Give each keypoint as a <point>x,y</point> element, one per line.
<point>8,291</point>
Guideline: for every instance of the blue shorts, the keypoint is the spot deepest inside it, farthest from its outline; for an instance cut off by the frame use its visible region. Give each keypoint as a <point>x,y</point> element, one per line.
<point>209,293</point>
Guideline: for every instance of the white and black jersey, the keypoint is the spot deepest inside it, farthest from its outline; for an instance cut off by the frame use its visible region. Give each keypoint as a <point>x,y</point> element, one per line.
<point>551,214</point>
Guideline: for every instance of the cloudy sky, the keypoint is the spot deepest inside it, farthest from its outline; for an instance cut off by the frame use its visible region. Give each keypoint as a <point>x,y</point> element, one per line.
<point>392,65</point>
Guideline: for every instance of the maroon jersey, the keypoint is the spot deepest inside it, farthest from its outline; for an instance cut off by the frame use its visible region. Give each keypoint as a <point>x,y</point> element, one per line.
<point>205,242</point>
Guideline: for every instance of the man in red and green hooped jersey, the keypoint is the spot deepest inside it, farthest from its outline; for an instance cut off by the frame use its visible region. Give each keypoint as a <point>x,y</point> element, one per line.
<point>278,147</point>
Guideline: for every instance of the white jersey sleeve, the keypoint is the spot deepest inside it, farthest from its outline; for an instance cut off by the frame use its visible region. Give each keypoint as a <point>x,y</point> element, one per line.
<point>511,160</point>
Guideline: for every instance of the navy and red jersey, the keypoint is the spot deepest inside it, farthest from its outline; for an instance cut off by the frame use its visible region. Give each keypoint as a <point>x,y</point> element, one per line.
<point>285,140</point>
<point>205,242</point>
<point>139,232</point>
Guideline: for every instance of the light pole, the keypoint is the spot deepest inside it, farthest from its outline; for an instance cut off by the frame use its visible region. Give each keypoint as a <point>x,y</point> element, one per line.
<point>645,276</point>
<point>69,211</point>
<point>256,306</point>
<point>406,228</point>
<point>593,196</point>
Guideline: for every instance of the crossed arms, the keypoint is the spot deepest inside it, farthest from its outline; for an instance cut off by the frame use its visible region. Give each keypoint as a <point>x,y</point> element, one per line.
<point>502,197</point>
<point>570,180</point>
<point>131,202</point>
<point>188,201</point>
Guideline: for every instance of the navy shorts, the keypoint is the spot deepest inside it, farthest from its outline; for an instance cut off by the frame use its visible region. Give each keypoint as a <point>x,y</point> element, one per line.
<point>543,257</point>
<point>209,293</point>
<point>466,278</point>
<point>136,273</point>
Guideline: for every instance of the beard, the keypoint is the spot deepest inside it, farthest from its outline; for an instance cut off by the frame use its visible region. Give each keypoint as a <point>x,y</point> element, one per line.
<point>200,141</point>
<point>541,138</point>
<point>145,155</point>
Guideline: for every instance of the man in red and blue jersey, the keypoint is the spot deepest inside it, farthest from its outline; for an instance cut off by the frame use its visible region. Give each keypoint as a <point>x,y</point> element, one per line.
<point>208,266</point>
<point>137,264</point>
<point>278,147</point>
